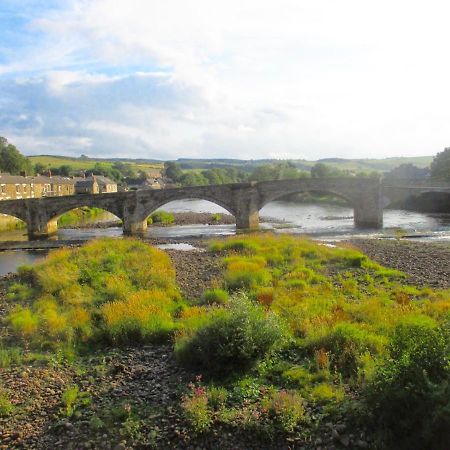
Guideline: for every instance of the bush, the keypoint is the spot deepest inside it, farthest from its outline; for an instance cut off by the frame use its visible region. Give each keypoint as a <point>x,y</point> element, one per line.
<point>218,296</point>
<point>410,392</point>
<point>345,343</point>
<point>232,340</point>
<point>246,275</point>
<point>286,407</point>
<point>195,408</point>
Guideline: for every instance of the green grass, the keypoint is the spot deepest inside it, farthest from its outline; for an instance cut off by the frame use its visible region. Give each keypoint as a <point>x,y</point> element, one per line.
<point>290,336</point>
<point>85,164</point>
<point>111,291</point>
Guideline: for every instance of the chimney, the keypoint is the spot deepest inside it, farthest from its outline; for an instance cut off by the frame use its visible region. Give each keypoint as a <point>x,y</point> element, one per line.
<point>49,173</point>
<point>23,173</point>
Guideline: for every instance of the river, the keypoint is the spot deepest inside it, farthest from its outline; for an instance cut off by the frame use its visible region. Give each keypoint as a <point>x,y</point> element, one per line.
<point>321,221</point>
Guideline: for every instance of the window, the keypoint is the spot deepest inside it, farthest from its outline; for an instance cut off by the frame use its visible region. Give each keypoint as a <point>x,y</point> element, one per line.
<point>17,189</point>
<point>3,189</point>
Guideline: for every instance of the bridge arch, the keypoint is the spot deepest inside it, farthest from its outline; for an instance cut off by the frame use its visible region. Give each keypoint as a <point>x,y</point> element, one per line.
<point>207,198</point>
<point>280,196</point>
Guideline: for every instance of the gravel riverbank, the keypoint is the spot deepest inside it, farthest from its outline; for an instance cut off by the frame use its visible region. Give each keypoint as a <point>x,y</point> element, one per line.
<point>425,263</point>
<point>148,377</point>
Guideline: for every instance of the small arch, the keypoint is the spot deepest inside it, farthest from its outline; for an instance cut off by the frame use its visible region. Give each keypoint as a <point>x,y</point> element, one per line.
<point>220,207</point>
<point>83,214</point>
<point>10,222</point>
<point>72,216</point>
<point>429,202</point>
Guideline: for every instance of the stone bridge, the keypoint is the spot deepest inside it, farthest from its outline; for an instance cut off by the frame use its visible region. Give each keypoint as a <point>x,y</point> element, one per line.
<point>242,200</point>
<point>396,192</point>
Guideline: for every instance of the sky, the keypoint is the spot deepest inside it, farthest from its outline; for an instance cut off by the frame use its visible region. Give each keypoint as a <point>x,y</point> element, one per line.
<point>244,79</point>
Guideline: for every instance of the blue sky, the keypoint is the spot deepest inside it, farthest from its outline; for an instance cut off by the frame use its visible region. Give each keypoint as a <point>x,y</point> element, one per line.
<point>207,78</point>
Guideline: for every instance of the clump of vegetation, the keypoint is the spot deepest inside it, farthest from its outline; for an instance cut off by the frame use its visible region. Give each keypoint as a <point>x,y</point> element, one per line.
<point>410,392</point>
<point>195,407</point>
<point>113,291</point>
<point>162,217</point>
<point>214,296</point>
<point>232,339</point>
<point>72,398</point>
<point>6,407</point>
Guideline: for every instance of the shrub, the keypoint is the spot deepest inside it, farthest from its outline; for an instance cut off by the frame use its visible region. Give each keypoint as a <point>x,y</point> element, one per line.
<point>286,408</point>
<point>217,396</point>
<point>410,392</point>
<point>218,296</point>
<point>246,275</point>
<point>245,246</point>
<point>265,296</point>
<point>24,321</point>
<point>232,340</point>
<point>345,343</point>
<point>195,408</point>
<point>325,393</point>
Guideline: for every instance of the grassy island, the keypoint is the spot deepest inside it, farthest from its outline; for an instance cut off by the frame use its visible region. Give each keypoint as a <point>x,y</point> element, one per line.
<point>294,345</point>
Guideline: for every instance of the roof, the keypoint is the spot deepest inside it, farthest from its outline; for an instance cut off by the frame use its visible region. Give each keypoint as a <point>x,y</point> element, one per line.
<point>7,178</point>
<point>100,180</point>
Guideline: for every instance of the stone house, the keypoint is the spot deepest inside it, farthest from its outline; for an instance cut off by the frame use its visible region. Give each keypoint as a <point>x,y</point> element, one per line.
<point>94,184</point>
<point>20,186</point>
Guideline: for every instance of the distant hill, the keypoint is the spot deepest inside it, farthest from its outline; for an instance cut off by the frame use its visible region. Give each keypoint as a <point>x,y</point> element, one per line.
<point>366,165</point>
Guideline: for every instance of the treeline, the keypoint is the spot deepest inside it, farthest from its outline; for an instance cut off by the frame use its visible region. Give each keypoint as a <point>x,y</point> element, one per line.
<point>118,171</point>
<point>275,171</point>
<point>13,162</point>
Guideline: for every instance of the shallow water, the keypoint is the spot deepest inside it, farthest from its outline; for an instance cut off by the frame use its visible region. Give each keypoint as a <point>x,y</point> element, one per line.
<point>328,223</point>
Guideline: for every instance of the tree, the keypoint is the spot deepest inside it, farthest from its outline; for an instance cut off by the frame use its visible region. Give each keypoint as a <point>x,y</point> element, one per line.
<point>440,167</point>
<point>11,160</point>
<point>65,170</point>
<point>192,178</point>
<point>40,168</point>
<point>107,171</point>
<point>173,171</point>
<point>125,169</point>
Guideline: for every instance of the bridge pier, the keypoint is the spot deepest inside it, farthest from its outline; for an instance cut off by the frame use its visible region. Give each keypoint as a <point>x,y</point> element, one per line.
<point>247,220</point>
<point>132,227</point>
<point>246,209</point>
<point>41,229</point>
<point>368,211</point>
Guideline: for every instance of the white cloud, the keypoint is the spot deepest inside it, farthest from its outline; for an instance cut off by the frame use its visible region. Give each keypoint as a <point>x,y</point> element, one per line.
<point>254,78</point>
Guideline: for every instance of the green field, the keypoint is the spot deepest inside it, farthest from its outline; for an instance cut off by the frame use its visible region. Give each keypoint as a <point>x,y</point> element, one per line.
<point>86,164</point>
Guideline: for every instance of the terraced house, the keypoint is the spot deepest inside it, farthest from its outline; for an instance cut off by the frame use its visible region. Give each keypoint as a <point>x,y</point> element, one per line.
<point>20,186</point>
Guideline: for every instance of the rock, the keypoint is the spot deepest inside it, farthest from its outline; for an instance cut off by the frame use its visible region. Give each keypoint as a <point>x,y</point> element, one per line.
<point>344,440</point>
<point>335,435</point>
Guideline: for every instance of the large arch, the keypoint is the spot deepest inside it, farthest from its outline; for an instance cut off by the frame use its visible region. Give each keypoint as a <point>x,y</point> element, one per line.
<point>363,195</point>
<point>279,195</point>
<point>207,198</point>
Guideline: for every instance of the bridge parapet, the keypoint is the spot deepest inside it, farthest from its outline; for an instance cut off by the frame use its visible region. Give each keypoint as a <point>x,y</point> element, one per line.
<point>243,200</point>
